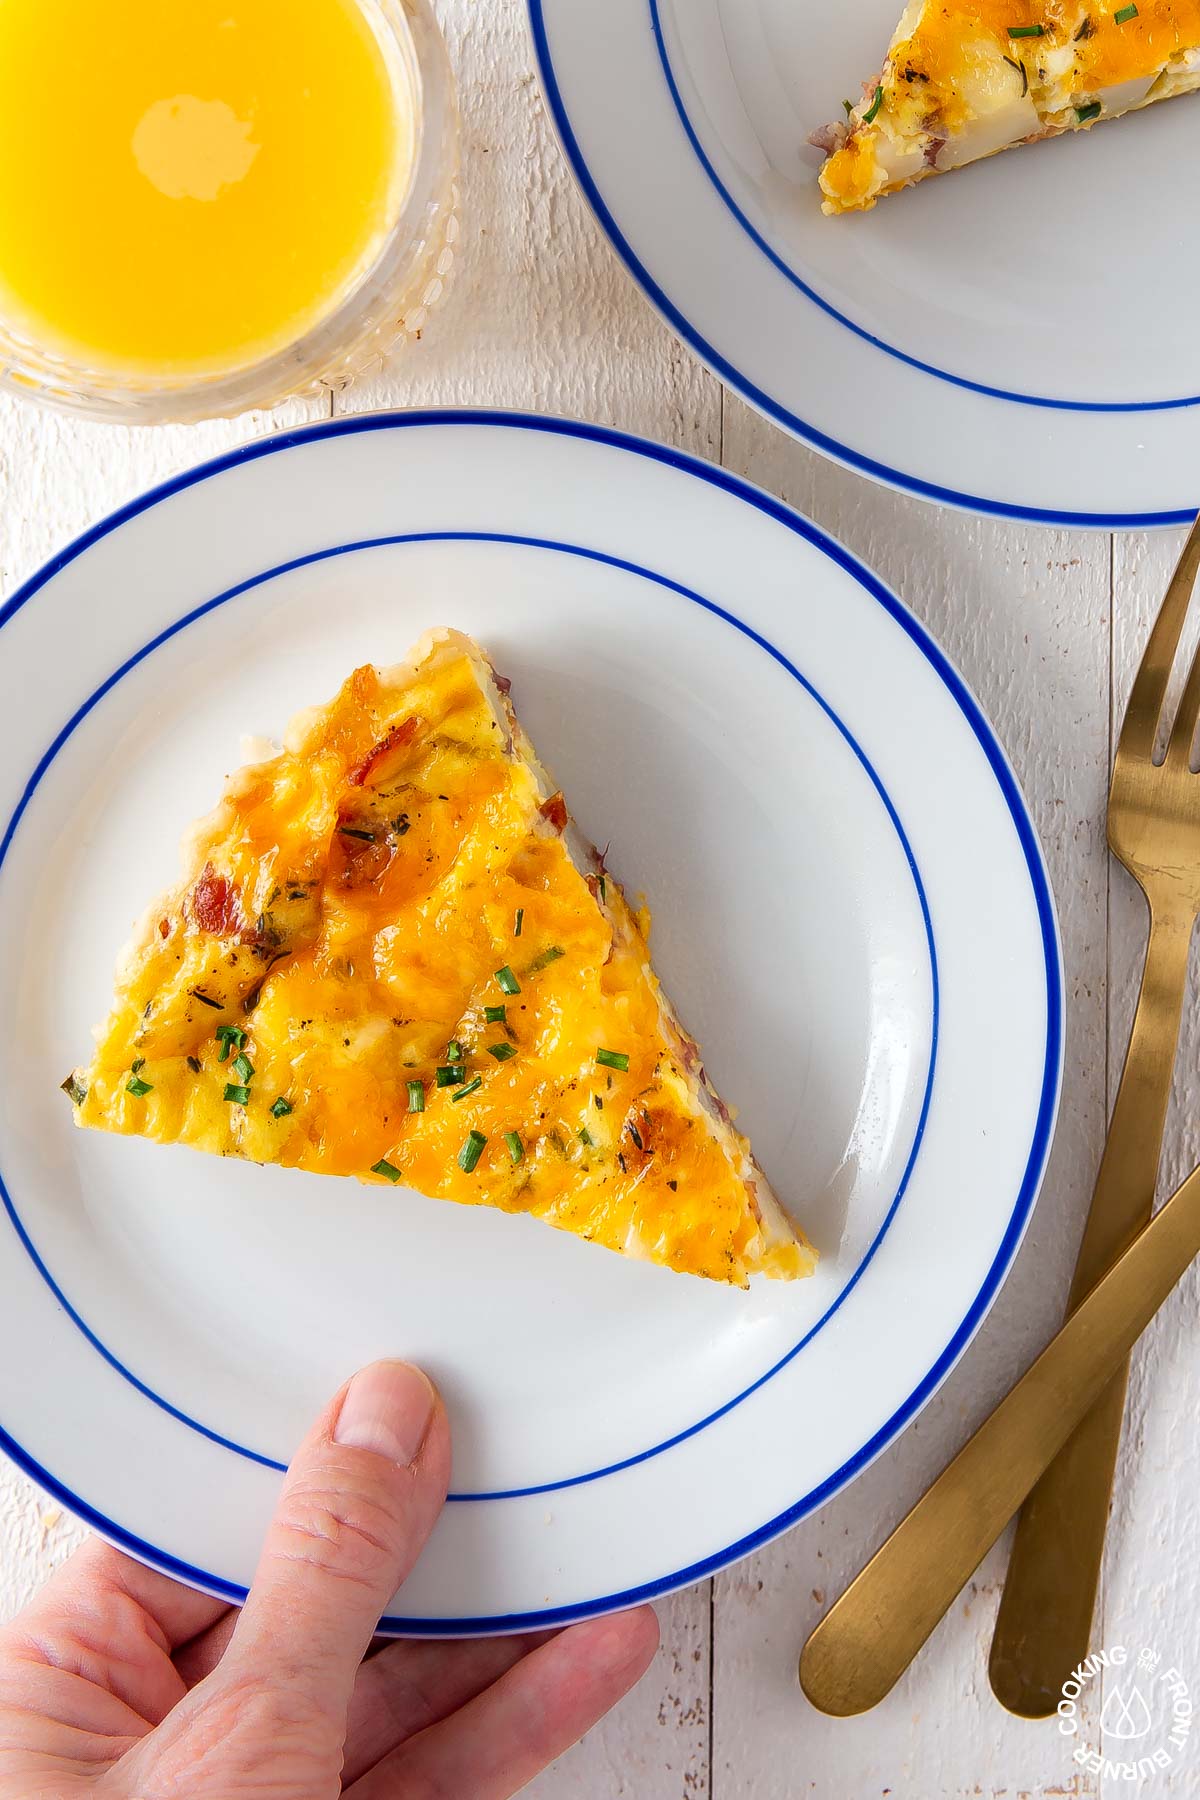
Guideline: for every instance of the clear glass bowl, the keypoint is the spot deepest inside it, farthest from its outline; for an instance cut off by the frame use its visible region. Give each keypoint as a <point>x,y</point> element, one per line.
<point>388,303</point>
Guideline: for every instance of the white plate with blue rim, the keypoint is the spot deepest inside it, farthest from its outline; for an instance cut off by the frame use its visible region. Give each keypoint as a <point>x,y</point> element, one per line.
<point>1018,339</point>
<point>851,912</point>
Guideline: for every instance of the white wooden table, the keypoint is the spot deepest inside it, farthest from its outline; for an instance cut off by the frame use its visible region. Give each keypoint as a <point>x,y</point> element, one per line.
<point>1047,627</point>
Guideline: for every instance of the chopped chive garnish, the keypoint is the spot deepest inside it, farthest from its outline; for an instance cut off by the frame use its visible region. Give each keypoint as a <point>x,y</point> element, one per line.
<point>206,1000</point>
<point>516,1148</point>
<point>496,1015</point>
<point>230,1037</point>
<point>137,1065</point>
<point>385,1168</point>
<point>471,1152</point>
<point>585,1137</point>
<point>847,107</point>
<point>470,1088</point>
<point>193,1063</point>
<point>1019,31</point>
<point>508,981</point>
<point>1124,14</point>
<point>237,1096</point>
<point>874,107</point>
<point>451,1075</point>
<point>501,1052</point>
<point>368,837</point>
<point>281,1108</point>
<point>137,1087</point>
<point>75,1088</point>
<point>550,954</point>
<point>613,1059</point>
<point>416,1096</point>
<point>603,886</point>
<point>243,1068</point>
<point>454,1051</point>
<point>520,921</point>
<point>1084,113</point>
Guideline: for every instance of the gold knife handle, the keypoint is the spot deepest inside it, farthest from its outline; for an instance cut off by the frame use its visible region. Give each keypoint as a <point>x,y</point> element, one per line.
<point>1045,1618</point>
<point>868,1638</point>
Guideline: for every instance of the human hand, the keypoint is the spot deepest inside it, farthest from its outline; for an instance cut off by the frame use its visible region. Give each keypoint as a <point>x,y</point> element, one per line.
<point>118,1684</point>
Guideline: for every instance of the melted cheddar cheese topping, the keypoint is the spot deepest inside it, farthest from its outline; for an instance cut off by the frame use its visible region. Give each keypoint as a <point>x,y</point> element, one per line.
<point>1081,49</point>
<point>387,962</point>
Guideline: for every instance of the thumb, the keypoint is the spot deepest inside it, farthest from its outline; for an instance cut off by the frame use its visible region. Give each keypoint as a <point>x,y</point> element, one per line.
<point>357,1505</point>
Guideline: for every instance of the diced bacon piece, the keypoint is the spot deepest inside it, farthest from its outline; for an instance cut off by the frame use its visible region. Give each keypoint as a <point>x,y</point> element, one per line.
<point>215,905</point>
<point>554,811</point>
<point>398,738</point>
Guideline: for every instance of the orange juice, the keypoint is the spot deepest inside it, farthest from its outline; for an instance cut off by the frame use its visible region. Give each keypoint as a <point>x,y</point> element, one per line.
<point>187,186</point>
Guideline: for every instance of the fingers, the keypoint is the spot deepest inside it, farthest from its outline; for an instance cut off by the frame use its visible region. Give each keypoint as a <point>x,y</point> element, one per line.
<point>399,1691</point>
<point>113,1623</point>
<point>96,1568</point>
<point>409,1686</point>
<point>498,1742</point>
<point>357,1505</point>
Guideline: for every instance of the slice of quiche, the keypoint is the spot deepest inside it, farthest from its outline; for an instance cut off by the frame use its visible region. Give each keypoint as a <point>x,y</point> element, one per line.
<point>392,957</point>
<point>966,78</point>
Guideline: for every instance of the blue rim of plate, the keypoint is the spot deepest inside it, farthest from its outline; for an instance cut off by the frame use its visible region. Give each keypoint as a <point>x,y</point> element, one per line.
<point>1012,395</point>
<point>248,585</point>
<point>1027,838</point>
<point>749,391</point>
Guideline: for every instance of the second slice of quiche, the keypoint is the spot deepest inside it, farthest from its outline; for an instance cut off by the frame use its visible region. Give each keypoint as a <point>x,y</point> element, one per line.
<point>391,957</point>
<point>966,78</point>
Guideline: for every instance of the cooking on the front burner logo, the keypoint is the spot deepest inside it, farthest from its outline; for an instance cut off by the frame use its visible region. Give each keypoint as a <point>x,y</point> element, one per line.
<point>1146,1718</point>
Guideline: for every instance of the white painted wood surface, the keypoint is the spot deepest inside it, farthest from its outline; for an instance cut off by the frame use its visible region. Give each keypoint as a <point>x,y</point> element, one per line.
<point>1047,627</point>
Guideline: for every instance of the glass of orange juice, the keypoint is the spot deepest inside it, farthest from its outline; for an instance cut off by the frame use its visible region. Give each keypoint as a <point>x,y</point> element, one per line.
<point>208,205</point>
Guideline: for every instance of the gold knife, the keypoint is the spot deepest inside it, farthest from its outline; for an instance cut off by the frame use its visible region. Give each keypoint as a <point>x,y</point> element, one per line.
<point>868,1638</point>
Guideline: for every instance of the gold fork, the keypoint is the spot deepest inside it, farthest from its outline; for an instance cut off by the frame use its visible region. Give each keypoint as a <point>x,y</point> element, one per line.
<point>870,1635</point>
<point>1043,1626</point>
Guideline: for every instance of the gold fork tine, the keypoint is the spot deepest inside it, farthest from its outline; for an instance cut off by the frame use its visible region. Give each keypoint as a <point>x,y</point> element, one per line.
<point>1154,672</point>
<point>1183,732</point>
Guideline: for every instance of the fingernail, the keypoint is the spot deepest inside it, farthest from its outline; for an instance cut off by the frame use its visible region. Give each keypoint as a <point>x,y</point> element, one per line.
<point>387,1409</point>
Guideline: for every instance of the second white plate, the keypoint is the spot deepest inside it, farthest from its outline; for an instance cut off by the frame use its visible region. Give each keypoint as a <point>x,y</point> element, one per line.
<point>1018,339</point>
<point>850,909</point>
